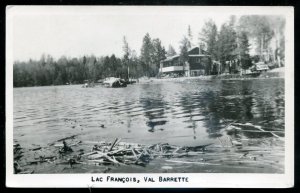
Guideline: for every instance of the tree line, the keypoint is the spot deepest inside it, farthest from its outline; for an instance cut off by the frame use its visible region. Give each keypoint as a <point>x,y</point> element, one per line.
<point>228,44</point>
<point>48,71</point>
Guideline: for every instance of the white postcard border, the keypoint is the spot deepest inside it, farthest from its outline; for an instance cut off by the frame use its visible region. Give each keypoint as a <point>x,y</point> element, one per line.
<point>205,180</point>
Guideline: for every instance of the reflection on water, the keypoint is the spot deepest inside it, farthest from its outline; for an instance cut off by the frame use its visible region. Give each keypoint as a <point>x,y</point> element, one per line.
<point>176,112</point>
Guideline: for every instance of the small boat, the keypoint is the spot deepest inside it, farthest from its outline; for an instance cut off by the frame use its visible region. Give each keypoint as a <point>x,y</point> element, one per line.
<point>113,82</point>
<point>88,84</point>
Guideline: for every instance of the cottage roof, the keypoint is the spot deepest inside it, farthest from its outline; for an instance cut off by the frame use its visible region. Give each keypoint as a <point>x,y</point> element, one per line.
<point>190,55</point>
<point>170,58</point>
<point>197,50</point>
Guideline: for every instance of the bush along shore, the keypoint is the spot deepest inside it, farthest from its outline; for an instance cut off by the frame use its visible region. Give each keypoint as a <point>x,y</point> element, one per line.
<point>231,151</point>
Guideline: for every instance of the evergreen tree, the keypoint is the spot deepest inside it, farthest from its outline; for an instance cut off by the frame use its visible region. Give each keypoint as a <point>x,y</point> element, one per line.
<point>126,56</point>
<point>107,71</point>
<point>147,54</point>
<point>171,51</point>
<point>91,68</point>
<point>190,37</point>
<point>126,49</point>
<point>61,66</point>
<point>184,48</point>
<point>243,50</point>
<point>227,44</point>
<point>72,71</point>
<point>159,54</point>
<point>137,69</point>
<point>209,35</point>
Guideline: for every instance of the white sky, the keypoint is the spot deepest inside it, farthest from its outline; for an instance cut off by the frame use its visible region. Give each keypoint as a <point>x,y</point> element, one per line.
<point>75,31</point>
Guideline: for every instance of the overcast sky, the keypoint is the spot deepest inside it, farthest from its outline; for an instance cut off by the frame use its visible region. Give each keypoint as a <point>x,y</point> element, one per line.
<point>78,31</point>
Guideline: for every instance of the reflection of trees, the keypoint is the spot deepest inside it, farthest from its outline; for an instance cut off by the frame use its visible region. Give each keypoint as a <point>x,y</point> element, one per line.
<point>250,101</point>
<point>257,102</point>
<point>205,104</point>
<point>188,107</point>
<point>269,108</point>
<point>233,102</point>
<point>246,101</point>
<point>128,120</point>
<point>154,105</point>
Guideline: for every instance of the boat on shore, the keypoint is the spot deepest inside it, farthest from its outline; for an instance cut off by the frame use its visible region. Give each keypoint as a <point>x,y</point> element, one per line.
<point>113,82</point>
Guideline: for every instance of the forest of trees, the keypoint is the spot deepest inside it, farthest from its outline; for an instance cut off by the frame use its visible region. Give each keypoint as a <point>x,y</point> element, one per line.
<point>48,71</point>
<point>232,42</point>
<point>229,43</point>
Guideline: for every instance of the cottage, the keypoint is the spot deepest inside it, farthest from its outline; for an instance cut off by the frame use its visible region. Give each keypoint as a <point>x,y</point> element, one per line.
<point>199,63</point>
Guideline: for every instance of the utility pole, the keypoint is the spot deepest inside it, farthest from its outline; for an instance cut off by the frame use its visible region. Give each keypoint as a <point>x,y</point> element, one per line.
<point>261,46</point>
<point>277,47</point>
<point>128,71</point>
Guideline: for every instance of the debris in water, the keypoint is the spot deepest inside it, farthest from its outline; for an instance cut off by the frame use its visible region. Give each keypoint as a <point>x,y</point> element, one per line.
<point>65,138</point>
<point>35,149</point>
<point>121,153</point>
<point>17,168</point>
<point>118,153</point>
<point>65,148</point>
<point>72,162</point>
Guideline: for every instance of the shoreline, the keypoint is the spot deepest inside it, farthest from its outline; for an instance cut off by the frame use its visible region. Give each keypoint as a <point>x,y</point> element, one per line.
<point>277,73</point>
<point>272,74</point>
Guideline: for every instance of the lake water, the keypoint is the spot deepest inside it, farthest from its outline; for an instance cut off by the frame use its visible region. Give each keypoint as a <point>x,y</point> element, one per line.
<point>189,112</point>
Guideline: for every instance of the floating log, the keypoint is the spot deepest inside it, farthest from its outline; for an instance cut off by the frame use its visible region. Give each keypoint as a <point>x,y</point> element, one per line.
<point>95,156</point>
<point>65,138</point>
<point>189,162</point>
<point>62,145</point>
<point>35,149</point>
<point>262,131</point>
<point>113,144</point>
<point>251,126</point>
<point>112,160</point>
<point>132,150</point>
<point>90,153</point>
<point>178,154</point>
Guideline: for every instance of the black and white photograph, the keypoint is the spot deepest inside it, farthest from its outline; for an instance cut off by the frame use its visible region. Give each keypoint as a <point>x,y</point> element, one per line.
<point>149,96</point>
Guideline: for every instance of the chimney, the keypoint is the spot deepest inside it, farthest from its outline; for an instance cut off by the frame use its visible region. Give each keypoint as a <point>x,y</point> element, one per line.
<point>200,47</point>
